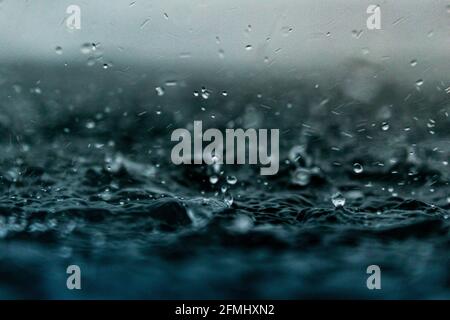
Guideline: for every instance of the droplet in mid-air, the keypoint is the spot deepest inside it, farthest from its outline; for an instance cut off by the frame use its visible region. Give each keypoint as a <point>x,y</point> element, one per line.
<point>90,124</point>
<point>385,126</point>
<point>338,200</point>
<point>413,63</point>
<point>231,180</point>
<point>419,82</point>
<point>213,179</point>
<point>357,168</point>
<point>248,47</point>
<point>86,48</point>
<point>159,91</point>
<point>59,50</point>
<point>228,199</point>
<point>301,177</point>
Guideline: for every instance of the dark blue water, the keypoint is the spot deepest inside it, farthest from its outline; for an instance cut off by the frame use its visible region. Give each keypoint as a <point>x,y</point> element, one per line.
<point>86,179</point>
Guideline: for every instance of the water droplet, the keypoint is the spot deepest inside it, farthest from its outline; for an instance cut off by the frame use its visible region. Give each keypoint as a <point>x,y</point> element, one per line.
<point>357,33</point>
<point>419,82</point>
<point>413,63</point>
<point>105,195</point>
<point>213,179</point>
<point>228,199</point>
<point>224,93</point>
<point>106,66</point>
<point>221,54</point>
<point>231,180</point>
<point>242,223</point>
<point>205,93</point>
<point>357,168</point>
<point>86,48</point>
<point>301,177</point>
<point>248,47</point>
<point>285,31</point>
<point>166,16</point>
<point>90,124</point>
<point>59,50</point>
<point>385,126</point>
<point>159,91</point>
<point>338,200</point>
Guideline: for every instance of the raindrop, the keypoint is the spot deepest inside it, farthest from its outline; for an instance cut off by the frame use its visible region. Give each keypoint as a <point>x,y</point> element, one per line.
<point>385,126</point>
<point>221,54</point>
<point>159,91</point>
<point>228,199</point>
<point>86,48</point>
<point>90,61</point>
<point>213,179</point>
<point>166,16</point>
<point>357,34</point>
<point>224,93</point>
<point>285,31</point>
<point>90,124</point>
<point>301,177</point>
<point>419,82</point>
<point>59,50</point>
<point>248,47</point>
<point>357,168</point>
<point>338,200</point>
<point>105,195</point>
<point>413,63</point>
<point>242,223</point>
<point>231,180</point>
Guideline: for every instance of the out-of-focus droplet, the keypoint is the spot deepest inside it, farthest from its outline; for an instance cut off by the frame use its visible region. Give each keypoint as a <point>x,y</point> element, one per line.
<point>105,195</point>
<point>419,82</point>
<point>248,47</point>
<point>90,124</point>
<point>338,200</point>
<point>213,179</point>
<point>242,223</point>
<point>285,31</point>
<point>159,91</point>
<point>357,33</point>
<point>357,168</point>
<point>59,50</point>
<point>86,48</point>
<point>301,177</point>
<point>385,126</point>
<point>90,61</point>
<point>413,63</point>
<point>166,16</point>
<point>228,199</point>
<point>221,54</point>
<point>231,180</point>
<point>224,93</point>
